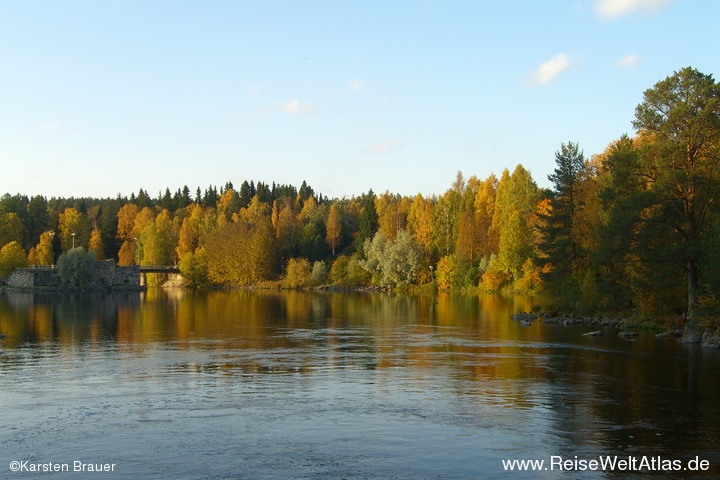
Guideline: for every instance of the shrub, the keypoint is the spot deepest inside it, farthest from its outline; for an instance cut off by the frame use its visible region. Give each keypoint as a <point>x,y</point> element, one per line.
<point>76,266</point>
<point>298,273</point>
<point>319,273</point>
<point>338,269</point>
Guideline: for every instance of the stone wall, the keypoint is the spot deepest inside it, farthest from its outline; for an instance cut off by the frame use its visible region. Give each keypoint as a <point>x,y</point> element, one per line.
<point>106,274</point>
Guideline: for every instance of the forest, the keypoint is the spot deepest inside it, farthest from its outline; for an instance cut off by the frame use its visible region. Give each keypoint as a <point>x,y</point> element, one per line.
<point>633,228</point>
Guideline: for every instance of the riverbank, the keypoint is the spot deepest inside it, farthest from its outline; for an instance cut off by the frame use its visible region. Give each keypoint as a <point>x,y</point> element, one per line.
<point>628,328</point>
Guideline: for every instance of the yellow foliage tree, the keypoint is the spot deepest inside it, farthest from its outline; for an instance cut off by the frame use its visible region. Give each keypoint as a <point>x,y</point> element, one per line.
<point>74,229</point>
<point>128,253</point>
<point>298,274</point>
<point>420,222</point>
<point>467,245</point>
<point>12,256</point>
<point>44,254</point>
<point>392,214</point>
<point>96,244</point>
<point>143,219</point>
<point>241,253</point>
<point>126,221</point>
<point>333,228</point>
<point>484,212</point>
<point>447,272</point>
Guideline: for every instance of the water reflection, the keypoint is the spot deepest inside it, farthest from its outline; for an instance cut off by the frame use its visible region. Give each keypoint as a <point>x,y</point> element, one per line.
<point>446,375</point>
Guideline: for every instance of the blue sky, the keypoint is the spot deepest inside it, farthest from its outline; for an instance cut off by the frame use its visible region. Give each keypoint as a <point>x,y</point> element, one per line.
<point>101,97</point>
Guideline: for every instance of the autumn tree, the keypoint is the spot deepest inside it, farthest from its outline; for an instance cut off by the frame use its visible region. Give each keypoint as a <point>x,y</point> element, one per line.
<point>288,230</point>
<point>44,254</point>
<point>194,268</point>
<point>227,204</point>
<point>484,210</point>
<point>333,226</point>
<point>392,214</point>
<point>420,223</point>
<point>12,256</point>
<point>189,232</point>
<point>516,202</point>
<point>241,252</point>
<point>298,273</point>
<point>126,221</point>
<point>11,229</point>
<point>95,244</point>
<point>74,229</point>
<point>158,241</point>
<point>469,237</point>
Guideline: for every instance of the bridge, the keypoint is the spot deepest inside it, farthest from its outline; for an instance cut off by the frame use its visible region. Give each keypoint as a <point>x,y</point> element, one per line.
<point>159,269</point>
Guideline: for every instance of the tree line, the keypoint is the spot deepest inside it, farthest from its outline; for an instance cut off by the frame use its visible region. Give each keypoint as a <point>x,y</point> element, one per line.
<point>633,227</point>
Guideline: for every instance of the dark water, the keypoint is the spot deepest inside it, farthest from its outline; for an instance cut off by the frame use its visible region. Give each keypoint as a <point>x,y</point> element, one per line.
<point>175,384</point>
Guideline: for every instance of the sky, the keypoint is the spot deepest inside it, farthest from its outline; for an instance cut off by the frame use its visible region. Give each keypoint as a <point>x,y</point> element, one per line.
<point>104,97</point>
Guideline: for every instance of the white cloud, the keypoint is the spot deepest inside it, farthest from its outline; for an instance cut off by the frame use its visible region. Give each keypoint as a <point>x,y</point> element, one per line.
<point>295,106</point>
<point>385,146</point>
<point>550,69</point>
<point>356,86</point>
<point>628,61</point>
<point>609,9</point>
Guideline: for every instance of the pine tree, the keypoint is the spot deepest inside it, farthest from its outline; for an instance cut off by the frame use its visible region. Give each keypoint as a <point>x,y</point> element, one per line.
<point>558,245</point>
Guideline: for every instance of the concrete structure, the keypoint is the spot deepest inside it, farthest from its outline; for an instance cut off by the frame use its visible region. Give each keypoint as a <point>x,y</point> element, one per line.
<point>106,274</point>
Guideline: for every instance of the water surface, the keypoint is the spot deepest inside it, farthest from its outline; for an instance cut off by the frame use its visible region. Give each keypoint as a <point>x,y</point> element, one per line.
<point>254,384</point>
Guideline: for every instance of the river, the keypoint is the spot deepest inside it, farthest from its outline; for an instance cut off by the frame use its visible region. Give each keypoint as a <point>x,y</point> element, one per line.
<point>169,384</point>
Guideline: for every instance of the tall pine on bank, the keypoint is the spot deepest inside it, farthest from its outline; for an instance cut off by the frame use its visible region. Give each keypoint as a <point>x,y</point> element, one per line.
<point>681,118</point>
<point>558,247</point>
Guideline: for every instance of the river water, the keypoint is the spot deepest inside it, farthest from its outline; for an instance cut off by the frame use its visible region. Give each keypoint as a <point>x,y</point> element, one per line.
<point>169,384</point>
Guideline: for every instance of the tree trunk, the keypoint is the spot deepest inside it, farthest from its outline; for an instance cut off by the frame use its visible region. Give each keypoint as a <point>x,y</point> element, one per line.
<point>692,286</point>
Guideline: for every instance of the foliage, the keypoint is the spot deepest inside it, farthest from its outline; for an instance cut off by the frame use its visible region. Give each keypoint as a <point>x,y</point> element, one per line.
<point>392,262</point>
<point>333,228</point>
<point>493,280</point>
<point>96,244</point>
<point>338,269</point>
<point>681,116</point>
<point>446,276</point>
<point>74,229</point>
<point>635,227</point>
<point>420,223</point>
<point>194,268</point>
<point>241,253</point>
<point>368,220</point>
<point>44,254</point>
<point>530,279</point>
<point>75,267</point>
<point>12,256</point>
<point>558,246</point>
<point>11,228</point>
<point>298,273</point>
<point>319,273</point>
